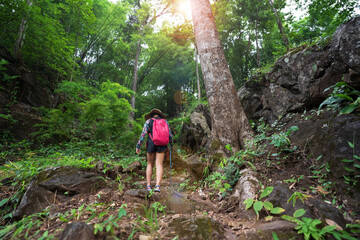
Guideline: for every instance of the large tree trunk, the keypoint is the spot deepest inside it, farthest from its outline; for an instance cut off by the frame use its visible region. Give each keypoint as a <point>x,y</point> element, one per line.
<point>229,122</point>
<point>197,73</point>
<point>134,83</point>
<point>280,26</point>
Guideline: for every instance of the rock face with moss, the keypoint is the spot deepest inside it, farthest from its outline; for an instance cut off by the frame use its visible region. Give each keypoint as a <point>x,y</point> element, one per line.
<point>297,81</point>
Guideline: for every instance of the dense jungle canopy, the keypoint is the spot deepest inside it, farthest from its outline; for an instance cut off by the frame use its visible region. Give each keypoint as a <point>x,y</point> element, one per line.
<point>90,47</point>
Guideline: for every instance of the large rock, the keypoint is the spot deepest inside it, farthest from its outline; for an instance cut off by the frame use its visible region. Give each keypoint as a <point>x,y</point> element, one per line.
<point>201,228</point>
<point>174,201</point>
<point>298,80</point>
<point>283,229</point>
<point>279,198</point>
<point>328,136</point>
<point>196,134</point>
<point>57,184</point>
<point>78,231</point>
<point>195,166</point>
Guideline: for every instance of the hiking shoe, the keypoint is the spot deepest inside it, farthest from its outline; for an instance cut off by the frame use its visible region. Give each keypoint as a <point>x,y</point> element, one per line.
<point>157,188</point>
<point>148,188</point>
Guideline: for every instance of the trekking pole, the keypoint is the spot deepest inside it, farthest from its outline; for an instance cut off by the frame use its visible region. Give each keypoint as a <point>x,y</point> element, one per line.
<point>170,165</point>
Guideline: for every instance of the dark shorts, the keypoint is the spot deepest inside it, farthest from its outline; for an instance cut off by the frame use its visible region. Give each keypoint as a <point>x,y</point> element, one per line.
<point>151,147</point>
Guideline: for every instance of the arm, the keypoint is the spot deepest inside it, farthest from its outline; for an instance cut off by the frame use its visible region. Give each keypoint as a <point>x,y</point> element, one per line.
<point>143,134</point>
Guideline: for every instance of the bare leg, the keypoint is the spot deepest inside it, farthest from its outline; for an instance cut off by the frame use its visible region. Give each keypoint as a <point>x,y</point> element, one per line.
<point>159,167</point>
<point>149,168</point>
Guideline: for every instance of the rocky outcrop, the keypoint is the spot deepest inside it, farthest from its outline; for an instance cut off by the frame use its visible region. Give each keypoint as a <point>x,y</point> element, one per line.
<point>57,185</point>
<point>19,95</point>
<point>196,133</point>
<point>298,80</point>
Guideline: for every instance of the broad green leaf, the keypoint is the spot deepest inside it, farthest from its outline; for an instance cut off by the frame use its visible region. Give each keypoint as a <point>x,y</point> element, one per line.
<point>357,157</point>
<point>108,228</point>
<point>4,201</point>
<point>275,237</point>
<point>344,96</point>
<point>62,218</point>
<point>298,213</point>
<point>277,210</point>
<point>349,169</point>
<point>348,109</point>
<point>266,192</point>
<point>347,160</point>
<point>268,205</point>
<point>287,217</point>
<point>328,229</point>
<point>249,202</point>
<point>351,144</point>
<point>258,205</point>
<point>122,213</point>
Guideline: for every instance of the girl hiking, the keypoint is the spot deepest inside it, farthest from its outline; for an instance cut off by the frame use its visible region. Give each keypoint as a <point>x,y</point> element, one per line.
<point>159,135</point>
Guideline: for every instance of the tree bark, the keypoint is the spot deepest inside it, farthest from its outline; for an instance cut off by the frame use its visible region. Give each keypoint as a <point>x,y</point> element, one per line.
<point>229,122</point>
<point>197,73</point>
<point>134,83</point>
<point>280,26</point>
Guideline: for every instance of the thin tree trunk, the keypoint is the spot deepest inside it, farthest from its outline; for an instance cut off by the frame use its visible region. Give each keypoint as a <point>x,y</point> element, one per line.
<point>247,53</point>
<point>229,122</point>
<point>134,83</point>
<point>197,73</point>
<point>21,36</point>
<point>258,61</point>
<point>280,26</point>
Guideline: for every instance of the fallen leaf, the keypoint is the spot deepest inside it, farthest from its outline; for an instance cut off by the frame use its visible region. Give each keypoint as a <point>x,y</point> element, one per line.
<point>333,223</point>
<point>321,190</point>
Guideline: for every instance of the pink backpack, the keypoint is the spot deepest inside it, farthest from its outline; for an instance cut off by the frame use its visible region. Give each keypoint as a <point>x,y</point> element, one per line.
<point>160,132</point>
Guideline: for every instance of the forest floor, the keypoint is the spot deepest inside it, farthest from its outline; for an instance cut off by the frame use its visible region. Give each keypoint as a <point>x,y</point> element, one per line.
<point>185,209</point>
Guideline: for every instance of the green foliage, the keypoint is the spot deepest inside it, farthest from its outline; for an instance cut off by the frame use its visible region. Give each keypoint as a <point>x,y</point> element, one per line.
<point>25,228</point>
<point>281,139</point>
<point>4,77</point>
<point>149,222</point>
<point>353,168</point>
<point>344,98</point>
<point>259,205</point>
<point>101,116</point>
<point>309,227</point>
<point>298,195</point>
<point>218,182</point>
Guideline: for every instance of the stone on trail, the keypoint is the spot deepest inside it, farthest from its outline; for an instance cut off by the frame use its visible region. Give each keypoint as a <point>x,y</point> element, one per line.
<point>195,166</point>
<point>78,231</point>
<point>174,201</point>
<point>283,229</point>
<point>200,228</point>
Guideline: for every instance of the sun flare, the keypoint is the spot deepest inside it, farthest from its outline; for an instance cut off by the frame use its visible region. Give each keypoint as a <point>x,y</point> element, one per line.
<point>184,8</point>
